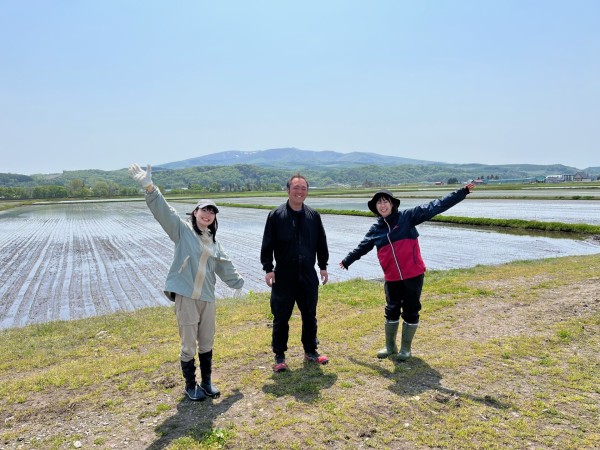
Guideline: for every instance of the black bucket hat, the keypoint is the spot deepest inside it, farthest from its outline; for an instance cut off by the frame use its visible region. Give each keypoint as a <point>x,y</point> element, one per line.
<point>383,193</point>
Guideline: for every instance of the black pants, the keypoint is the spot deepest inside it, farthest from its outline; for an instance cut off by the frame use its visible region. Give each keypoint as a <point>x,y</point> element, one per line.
<point>294,287</point>
<point>403,298</point>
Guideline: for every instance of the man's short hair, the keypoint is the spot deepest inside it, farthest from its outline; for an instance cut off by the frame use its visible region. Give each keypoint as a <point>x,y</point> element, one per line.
<point>297,175</point>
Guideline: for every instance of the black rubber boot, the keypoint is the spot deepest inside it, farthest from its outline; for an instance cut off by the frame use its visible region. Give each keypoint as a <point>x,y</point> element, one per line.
<point>192,390</point>
<point>205,373</point>
<point>391,332</point>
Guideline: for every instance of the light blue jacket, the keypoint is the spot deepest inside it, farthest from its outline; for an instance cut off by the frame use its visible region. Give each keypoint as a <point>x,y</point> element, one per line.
<point>197,258</point>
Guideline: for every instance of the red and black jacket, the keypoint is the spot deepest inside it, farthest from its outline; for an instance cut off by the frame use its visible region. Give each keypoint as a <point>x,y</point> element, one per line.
<point>396,238</point>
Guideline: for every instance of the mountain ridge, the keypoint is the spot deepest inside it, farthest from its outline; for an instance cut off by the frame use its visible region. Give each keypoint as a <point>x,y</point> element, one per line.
<point>283,157</point>
<point>270,169</point>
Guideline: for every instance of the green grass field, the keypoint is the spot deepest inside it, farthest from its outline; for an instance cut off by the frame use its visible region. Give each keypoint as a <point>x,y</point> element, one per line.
<point>505,357</point>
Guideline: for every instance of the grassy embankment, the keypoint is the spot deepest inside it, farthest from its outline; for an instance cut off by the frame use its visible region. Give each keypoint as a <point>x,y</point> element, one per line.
<point>5,205</point>
<point>506,357</point>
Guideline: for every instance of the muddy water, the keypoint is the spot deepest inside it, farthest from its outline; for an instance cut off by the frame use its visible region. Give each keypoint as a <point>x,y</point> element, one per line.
<point>63,262</point>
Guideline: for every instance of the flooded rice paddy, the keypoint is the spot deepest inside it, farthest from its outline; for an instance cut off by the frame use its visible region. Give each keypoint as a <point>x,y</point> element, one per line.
<point>567,211</point>
<point>62,262</point>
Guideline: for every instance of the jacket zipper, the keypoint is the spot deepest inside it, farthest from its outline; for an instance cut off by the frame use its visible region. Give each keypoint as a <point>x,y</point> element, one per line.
<point>393,251</point>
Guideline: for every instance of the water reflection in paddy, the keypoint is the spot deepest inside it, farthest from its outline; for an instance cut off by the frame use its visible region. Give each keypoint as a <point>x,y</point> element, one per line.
<point>60,262</point>
<point>443,247</point>
<point>568,211</point>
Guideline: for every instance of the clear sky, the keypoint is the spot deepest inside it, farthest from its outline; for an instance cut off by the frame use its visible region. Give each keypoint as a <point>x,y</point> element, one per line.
<point>101,84</point>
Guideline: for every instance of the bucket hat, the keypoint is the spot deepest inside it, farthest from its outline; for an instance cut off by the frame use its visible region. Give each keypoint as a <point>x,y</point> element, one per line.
<point>383,193</point>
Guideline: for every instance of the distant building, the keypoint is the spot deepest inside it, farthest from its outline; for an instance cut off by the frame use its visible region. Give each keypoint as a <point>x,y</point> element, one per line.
<point>555,178</point>
<point>528,180</point>
<point>581,176</point>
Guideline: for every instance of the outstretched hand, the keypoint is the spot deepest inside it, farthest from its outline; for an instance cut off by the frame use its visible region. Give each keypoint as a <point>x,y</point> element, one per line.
<point>470,187</point>
<point>144,177</point>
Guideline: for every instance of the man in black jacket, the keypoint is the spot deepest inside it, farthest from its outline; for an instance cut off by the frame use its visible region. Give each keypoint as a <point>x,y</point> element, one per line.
<point>295,236</point>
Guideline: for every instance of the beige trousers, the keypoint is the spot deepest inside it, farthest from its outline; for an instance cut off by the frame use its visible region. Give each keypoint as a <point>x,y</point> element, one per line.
<point>196,320</point>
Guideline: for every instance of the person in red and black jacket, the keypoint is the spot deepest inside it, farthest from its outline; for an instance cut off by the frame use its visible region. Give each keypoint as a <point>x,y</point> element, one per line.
<point>396,238</point>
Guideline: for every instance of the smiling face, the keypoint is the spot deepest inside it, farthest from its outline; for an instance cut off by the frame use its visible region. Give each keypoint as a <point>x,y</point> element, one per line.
<point>204,217</point>
<point>297,193</point>
<point>384,206</point>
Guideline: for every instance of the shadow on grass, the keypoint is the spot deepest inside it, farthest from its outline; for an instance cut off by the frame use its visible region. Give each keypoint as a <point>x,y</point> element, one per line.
<point>304,384</point>
<point>194,420</point>
<point>415,376</point>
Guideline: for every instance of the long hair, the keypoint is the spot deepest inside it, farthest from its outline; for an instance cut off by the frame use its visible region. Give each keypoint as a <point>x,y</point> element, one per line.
<point>212,227</point>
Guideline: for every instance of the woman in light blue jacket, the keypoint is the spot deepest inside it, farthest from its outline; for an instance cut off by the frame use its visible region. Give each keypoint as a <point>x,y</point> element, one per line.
<point>190,283</point>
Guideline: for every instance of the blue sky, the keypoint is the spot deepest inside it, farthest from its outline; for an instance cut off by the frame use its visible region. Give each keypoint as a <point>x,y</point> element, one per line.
<point>101,84</point>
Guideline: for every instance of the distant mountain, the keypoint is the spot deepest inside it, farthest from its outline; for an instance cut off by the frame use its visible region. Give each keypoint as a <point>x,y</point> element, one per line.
<point>286,158</point>
<point>270,169</point>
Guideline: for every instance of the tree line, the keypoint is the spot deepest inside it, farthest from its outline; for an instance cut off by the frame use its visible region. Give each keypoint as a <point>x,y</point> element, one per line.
<point>244,177</point>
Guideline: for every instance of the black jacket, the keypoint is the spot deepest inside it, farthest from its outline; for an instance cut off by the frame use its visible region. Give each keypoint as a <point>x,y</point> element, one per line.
<point>296,239</point>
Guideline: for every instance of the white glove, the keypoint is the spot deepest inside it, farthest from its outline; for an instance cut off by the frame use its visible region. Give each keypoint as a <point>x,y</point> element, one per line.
<point>144,177</point>
<point>238,294</point>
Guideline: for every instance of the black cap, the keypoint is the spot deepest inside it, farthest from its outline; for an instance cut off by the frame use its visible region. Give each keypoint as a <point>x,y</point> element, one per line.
<point>383,193</point>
